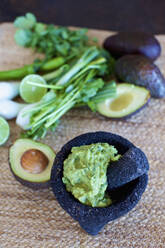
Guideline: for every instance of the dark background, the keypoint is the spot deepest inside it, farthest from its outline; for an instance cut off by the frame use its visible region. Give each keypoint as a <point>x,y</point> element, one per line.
<point>145,15</point>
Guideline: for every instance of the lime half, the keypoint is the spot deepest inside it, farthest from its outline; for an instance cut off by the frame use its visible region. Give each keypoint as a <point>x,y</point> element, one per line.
<point>4,131</point>
<point>30,92</point>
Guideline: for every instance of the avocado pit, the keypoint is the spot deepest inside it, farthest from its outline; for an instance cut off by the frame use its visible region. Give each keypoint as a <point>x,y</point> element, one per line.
<point>34,161</point>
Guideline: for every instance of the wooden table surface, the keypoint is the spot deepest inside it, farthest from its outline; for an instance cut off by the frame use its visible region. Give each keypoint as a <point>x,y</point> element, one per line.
<point>114,15</point>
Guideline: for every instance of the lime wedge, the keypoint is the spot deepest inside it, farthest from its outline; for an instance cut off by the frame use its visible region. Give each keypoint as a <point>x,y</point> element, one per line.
<point>4,131</point>
<point>31,93</point>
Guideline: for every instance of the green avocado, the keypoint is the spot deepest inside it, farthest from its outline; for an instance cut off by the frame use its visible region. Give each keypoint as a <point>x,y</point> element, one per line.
<point>31,162</point>
<point>129,99</point>
<point>85,173</point>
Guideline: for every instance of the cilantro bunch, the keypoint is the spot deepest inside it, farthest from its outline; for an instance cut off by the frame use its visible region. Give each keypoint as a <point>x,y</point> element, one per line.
<point>48,39</point>
<point>81,84</point>
<point>79,79</point>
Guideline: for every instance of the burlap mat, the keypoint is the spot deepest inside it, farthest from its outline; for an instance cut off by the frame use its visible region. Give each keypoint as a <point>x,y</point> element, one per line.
<point>31,219</point>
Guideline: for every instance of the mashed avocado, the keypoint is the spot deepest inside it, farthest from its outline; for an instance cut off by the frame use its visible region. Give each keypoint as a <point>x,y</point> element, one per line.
<point>85,172</point>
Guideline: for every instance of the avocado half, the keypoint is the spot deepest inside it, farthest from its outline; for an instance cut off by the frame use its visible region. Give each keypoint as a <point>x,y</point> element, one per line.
<point>128,100</point>
<point>31,163</point>
<point>124,196</point>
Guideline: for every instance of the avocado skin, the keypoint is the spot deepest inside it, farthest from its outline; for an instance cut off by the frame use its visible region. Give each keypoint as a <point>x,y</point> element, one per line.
<point>125,43</point>
<point>139,70</point>
<point>32,185</point>
<point>92,219</point>
<point>130,166</point>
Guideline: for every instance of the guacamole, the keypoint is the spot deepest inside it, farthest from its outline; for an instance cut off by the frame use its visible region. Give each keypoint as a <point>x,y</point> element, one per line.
<point>85,170</point>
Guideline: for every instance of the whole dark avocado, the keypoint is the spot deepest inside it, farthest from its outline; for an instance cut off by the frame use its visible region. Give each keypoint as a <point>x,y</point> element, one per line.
<point>139,70</point>
<point>125,43</point>
<point>124,197</point>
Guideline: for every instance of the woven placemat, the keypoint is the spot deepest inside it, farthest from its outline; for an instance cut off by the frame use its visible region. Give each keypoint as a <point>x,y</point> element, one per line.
<point>34,219</point>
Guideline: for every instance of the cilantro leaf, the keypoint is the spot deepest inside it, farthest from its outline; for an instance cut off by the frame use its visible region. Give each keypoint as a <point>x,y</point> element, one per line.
<point>26,22</point>
<point>23,37</point>
<point>50,40</point>
<point>90,89</point>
